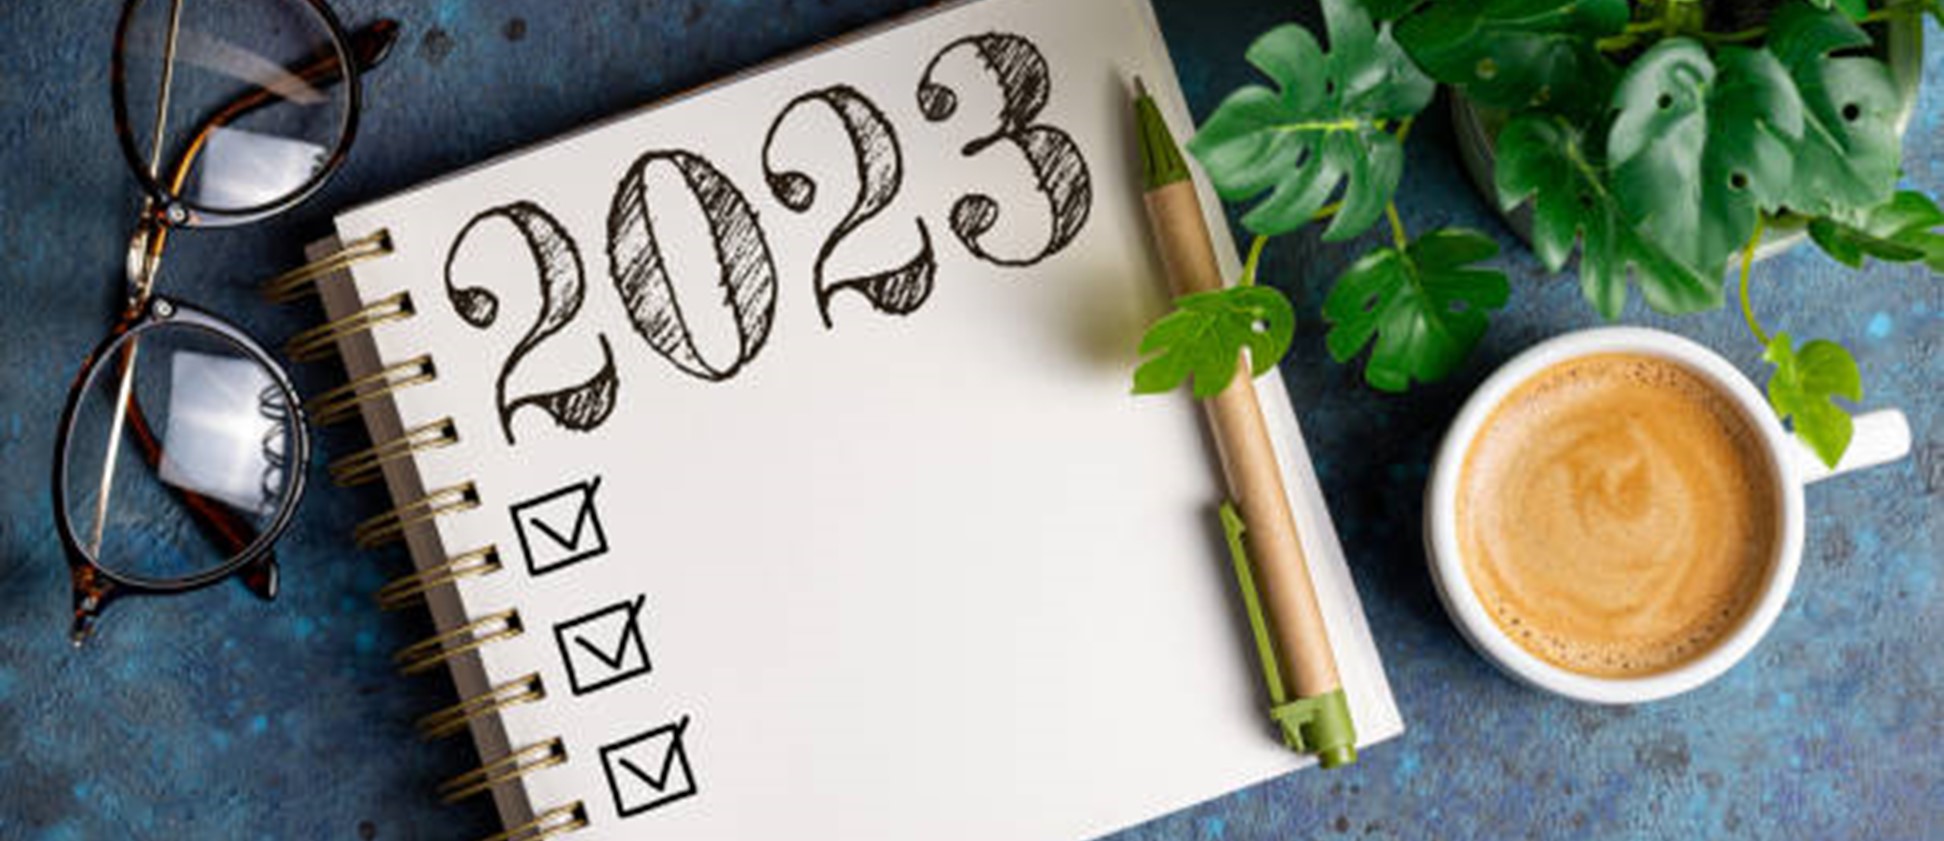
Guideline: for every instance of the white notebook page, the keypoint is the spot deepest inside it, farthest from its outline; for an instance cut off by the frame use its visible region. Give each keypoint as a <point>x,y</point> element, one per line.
<point>923,570</point>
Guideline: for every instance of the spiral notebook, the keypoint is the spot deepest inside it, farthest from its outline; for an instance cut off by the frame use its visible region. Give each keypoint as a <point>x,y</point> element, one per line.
<point>769,465</point>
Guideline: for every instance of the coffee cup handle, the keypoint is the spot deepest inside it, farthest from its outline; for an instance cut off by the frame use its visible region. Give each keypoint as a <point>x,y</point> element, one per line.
<point>1881,437</point>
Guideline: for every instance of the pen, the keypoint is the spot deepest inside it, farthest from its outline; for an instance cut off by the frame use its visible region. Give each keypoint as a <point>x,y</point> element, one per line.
<point>1317,719</point>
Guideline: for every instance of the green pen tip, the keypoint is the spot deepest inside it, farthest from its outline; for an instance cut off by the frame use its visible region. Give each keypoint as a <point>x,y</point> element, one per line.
<point>1161,161</point>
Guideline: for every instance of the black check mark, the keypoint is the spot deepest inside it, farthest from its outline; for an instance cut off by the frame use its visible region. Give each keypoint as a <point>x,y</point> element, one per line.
<point>568,542</point>
<point>629,632</point>
<point>604,647</point>
<point>634,789</point>
<point>548,540</point>
<point>654,781</point>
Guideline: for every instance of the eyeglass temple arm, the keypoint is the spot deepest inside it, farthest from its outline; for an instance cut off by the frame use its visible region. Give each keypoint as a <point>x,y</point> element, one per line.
<point>369,46</point>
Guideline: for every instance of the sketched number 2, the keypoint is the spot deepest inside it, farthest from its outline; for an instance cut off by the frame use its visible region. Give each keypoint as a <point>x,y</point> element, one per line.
<point>557,265</point>
<point>880,173</point>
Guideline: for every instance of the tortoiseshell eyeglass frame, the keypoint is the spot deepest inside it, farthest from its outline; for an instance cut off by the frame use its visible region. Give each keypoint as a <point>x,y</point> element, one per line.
<point>249,550</point>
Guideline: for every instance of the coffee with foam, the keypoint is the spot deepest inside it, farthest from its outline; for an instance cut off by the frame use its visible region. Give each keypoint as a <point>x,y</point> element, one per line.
<point>1618,515</point>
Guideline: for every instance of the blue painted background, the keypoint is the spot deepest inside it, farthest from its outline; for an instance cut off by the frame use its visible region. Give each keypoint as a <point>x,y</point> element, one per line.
<point>220,717</point>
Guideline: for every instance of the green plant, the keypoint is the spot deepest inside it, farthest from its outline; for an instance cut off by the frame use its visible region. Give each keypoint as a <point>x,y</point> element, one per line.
<point>1658,148</point>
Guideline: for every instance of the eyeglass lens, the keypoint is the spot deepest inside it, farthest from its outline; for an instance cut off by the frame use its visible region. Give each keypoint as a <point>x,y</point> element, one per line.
<point>199,460</point>
<point>248,110</point>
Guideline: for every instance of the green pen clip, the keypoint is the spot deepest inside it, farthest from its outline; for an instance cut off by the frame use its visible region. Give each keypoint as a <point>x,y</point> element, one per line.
<point>1320,725</point>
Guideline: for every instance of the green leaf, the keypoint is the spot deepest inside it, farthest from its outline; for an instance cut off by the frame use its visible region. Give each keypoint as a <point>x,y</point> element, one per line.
<point>1546,159</point>
<point>1701,147</point>
<point>1855,9</point>
<point>1519,54</point>
<point>1205,335</point>
<point>1850,149</point>
<point>1803,389</point>
<point>1425,306</point>
<point>1323,130</point>
<point>1902,230</point>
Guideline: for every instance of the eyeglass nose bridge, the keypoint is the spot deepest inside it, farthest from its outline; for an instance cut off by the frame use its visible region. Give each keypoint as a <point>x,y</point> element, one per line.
<point>144,259</point>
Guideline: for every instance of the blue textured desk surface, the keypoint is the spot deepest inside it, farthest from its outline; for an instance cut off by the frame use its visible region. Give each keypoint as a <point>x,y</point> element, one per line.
<point>218,716</point>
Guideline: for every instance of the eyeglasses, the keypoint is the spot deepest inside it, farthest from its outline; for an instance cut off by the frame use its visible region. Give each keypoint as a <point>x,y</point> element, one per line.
<point>182,445</point>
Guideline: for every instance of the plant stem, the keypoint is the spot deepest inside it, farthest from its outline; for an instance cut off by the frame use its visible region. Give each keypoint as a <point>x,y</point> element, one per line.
<point>1326,211</point>
<point>1891,10</point>
<point>1397,226</point>
<point>1631,35</point>
<point>1404,129</point>
<point>1749,34</point>
<point>1748,309</point>
<point>1615,43</point>
<point>1326,126</point>
<point>1255,259</point>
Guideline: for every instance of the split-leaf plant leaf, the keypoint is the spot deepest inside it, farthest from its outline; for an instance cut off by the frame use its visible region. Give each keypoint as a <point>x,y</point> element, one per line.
<point>1324,129</point>
<point>1700,147</point>
<point>1901,230</point>
<point>1519,54</point>
<point>1850,149</point>
<point>1421,307</point>
<point>1545,159</point>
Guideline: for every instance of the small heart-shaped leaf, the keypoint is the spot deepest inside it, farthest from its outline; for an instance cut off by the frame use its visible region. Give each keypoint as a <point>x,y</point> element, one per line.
<point>1804,387</point>
<point>1205,335</point>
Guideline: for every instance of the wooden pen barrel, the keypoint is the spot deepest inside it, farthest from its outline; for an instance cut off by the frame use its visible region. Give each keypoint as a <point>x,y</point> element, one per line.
<point>1249,462</point>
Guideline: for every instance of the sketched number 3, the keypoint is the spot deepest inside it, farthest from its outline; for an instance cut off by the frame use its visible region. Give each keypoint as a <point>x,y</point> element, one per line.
<point>1058,168</point>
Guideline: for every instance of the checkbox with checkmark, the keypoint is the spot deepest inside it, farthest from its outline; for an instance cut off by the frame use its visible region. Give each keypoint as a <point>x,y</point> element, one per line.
<point>650,770</point>
<point>560,528</point>
<point>605,647</point>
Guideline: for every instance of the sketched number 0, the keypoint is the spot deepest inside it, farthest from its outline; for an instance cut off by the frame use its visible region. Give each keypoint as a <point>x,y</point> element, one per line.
<point>640,273</point>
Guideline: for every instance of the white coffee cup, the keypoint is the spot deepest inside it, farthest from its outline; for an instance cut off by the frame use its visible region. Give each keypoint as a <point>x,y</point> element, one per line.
<point>1880,437</point>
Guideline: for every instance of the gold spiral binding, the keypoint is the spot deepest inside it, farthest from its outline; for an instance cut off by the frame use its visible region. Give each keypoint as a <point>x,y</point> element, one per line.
<point>507,768</point>
<point>409,590</point>
<point>392,524</point>
<point>368,464</point>
<point>320,342</point>
<point>557,821</point>
<point>426,654</point>
<point>341,403</point>
<point>302,281</point>
<point>453,719</point>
